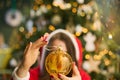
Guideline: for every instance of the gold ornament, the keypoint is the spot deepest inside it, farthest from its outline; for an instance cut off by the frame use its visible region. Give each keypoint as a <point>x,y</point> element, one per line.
<point>37,4</point>
<point>58,61</point>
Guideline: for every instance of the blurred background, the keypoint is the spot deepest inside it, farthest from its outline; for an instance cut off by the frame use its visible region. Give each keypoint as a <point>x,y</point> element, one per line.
<point>95,22</point>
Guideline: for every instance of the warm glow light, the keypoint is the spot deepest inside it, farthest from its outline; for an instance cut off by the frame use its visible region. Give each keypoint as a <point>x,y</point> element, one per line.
<point>77,33</point>
<point>82,14</point>
<point>102,53</point>
<point>74,10</point>
<point>113,56</point>
<point>21,29</point>
<point>62,7</point>
<point>97,57</point>
<point>28,35</point>
<point>51,27</point>
<point>107,62</point>
<point>75,4</point>
<point>35,7</point>
<point>68,5</point>
<point>48,6</point>
<point>34,29</point>
<point>110,53</point>
<point>105,51</point>
<point>84,30</point>
<point>57,3</point>
<point>38,2</point>
<point>110,36</point>
<point>87,56</point>
<point>96,14</point>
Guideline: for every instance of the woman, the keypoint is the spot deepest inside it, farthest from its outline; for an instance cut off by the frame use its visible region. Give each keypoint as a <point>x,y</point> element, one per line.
<point>60,38</point>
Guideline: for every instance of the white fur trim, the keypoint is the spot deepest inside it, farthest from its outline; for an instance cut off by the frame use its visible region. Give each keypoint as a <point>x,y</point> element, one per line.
<point>16,77</point>
<point>72,39</point>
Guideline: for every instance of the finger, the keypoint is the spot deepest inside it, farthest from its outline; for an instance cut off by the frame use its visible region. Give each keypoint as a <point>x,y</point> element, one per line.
<point>75,70</point>
<point>46,35</point>
<point>63,77</point>
<point>54,77</point>
<point>39,43</point>
<point>27,47</point>
<point>40,39</point>
<point>43,38</point>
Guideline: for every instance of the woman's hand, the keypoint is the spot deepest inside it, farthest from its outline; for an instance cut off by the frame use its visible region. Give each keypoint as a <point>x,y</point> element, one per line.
<point>75,75</point>
<point>31,52</point>
<point>30,56</point>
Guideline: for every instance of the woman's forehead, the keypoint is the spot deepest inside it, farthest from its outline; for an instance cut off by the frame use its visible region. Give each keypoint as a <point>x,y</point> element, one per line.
<point>59,43</point>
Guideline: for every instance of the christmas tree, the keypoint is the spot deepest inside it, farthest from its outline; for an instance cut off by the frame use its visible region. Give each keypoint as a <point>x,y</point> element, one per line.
<point>83,18</point>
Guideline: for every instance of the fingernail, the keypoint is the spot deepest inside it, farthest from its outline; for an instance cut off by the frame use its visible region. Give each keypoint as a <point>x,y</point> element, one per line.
<point>45,41</point>
<point>51,77</point>
<point>59,76</point>
<point>45,37</point>
<point>30,43</point>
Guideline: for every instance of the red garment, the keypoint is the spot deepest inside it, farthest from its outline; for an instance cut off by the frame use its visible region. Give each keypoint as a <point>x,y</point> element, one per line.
<point>34,74</point>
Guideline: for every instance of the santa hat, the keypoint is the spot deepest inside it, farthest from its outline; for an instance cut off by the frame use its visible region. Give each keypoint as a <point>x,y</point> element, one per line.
<point>76,42</point>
